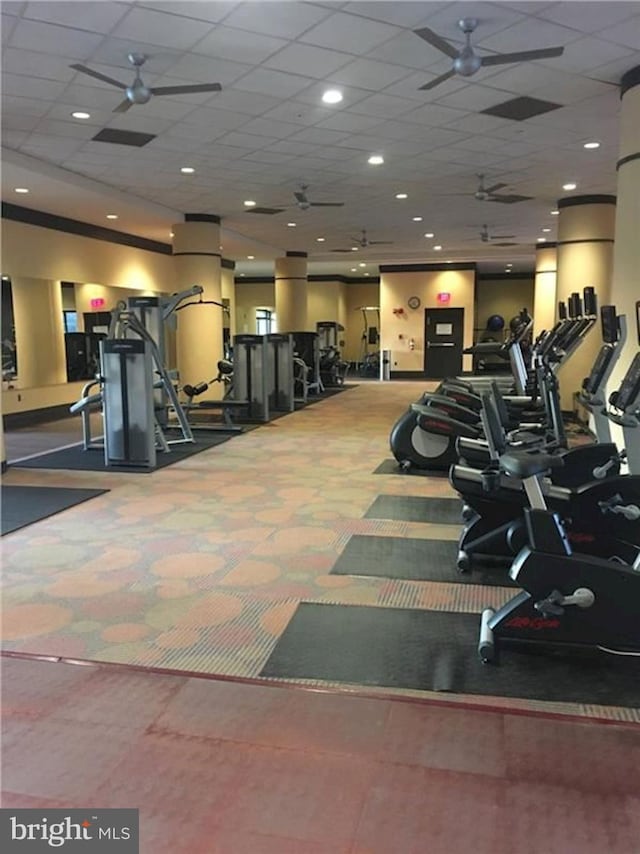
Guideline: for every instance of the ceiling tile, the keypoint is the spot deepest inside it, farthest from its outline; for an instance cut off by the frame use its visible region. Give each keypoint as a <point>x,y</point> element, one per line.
<point>299,113</point>
<point>286,20</point>
<point>238,45</point>
<point>159,28</point>
<point>270,127</point>
<point>626,34</point>
<point>287,146</point>
<point>407,49</point>
<point>349,122</point>
<point>275,83</point>
<point>239,139</point>
<point>251,103</point>
<point>590,17</point>
<point>16,105</point>
<point>61,41</point>
<point>528,34</point>
<point>588,53</point>
<point>350,33</point>
<point>31,87</point>
<point>475,98</point>
<point>212,10</point>
<point>384,106</point>
<point>319,136</point>
<point>369,74</point>
<point>434,115</point>
<point>492,18</point>
<point>94,17</point>
<point>308,60</point>
<point>196,68</point>
<point>36,64</point>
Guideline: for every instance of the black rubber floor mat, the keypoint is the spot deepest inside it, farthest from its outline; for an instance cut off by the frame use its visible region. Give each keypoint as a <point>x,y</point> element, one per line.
<point>412,559</point>
<point>75,459</point>
<point>24,505</point>
<point>392,467</point>
<point>410,508</point>
<point>437,651</point>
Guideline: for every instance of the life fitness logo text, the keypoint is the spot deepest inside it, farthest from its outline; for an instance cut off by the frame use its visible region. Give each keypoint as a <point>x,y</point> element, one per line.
<point>30,831</point>
<point>536,623</point>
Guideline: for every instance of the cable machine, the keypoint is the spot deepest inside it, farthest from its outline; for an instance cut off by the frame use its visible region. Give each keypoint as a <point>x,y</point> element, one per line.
<point>369,362</point>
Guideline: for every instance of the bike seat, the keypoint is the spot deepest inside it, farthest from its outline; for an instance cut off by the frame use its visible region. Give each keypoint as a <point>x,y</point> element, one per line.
<point>525,464</point>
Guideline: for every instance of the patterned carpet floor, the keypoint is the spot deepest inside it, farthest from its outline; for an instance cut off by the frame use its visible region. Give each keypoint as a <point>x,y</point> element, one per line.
<point>199,567</point>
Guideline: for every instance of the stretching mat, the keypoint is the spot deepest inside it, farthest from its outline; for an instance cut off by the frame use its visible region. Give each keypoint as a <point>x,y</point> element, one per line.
<point>436,651</point>
<point>404,558</point>
<point>75,459</point>
<point>392,467</point>
<point>408,508</point>
<point>23,505</point>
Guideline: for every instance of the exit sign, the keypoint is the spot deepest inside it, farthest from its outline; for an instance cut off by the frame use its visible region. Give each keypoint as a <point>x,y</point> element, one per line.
<point>443,297</point>
<point>98,302</point>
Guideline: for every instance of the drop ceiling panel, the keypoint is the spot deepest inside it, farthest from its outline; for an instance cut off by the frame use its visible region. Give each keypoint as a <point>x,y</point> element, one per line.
<point>588,53</point>
<point>590,17</point>
<point>47,38</point>
<point>288,20</point>
<point>407,49</point>
<point>94,17</point>
<point>160,28</point>
<point>369,74</point>
<point>212,10</point>
<point>275,83</point>
<point>309,60</point>
<point>351,33</point>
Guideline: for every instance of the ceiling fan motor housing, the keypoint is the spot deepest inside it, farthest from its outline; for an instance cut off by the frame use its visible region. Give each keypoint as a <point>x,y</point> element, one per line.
<point>138,94</point>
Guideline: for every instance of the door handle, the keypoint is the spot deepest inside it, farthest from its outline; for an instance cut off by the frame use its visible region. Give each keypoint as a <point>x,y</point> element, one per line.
<point>430,344</point>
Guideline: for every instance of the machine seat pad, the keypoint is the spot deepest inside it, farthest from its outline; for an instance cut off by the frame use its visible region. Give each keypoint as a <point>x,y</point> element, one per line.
<point>525,464</point>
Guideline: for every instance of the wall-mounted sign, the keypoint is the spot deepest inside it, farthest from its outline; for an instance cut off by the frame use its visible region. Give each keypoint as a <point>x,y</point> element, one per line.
<point>443,297</point>
<point>97,302</point>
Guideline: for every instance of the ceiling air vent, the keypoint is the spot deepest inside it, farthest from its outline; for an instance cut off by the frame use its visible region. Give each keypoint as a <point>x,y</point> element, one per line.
<point>269,211</point>
<point>520,109</point>
<point>123,137</point>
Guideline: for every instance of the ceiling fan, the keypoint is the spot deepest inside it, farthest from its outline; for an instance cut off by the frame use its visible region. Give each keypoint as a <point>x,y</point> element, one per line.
<point>485,237</point>
<point>490,194</point>
<point>137,92</point>
<point>466,62</point>
<point>363,242</point>
<point>302,201</point>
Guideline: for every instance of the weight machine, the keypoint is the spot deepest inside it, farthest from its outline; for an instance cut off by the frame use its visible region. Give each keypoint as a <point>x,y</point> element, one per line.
<point>369,362</point>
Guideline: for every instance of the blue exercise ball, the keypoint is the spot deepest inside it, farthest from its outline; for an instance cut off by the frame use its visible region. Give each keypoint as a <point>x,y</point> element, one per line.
<point>495,323</point>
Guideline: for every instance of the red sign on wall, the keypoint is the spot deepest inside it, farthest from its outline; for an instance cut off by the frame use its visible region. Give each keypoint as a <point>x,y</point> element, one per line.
<point>98,302</point>
<point>443,297</point>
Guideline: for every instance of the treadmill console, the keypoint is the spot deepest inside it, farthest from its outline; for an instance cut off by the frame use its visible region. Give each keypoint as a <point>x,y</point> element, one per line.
<point>629,392</point>
<point>610,324</point>
<point>590,301</point>
<point>575,305</point>
<point>598,370</point>
<point>562,311</point>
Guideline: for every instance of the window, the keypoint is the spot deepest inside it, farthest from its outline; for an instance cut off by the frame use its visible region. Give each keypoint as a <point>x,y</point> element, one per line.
<point>70,321</point>
<point>265,321</point>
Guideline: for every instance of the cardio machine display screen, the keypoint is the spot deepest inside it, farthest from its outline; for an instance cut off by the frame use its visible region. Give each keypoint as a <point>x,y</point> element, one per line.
<point>599,367</point>
<point>630,388</point>
<point>609,321</point>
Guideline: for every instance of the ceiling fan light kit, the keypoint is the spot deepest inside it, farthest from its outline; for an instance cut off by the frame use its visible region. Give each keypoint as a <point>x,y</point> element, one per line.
<point>466,62</point>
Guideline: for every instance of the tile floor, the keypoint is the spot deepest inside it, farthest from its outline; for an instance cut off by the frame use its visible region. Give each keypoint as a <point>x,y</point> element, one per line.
<point>226,767</point>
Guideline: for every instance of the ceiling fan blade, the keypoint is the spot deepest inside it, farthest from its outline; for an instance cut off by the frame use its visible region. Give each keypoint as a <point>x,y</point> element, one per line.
<point>300,197</point>
<point>340,250</point>
<point>502,236</point>
<point>437,41</point>
<point>83,68</point>
<point>433,83</point>
<point>186,90</point>
<point>522,56</point>
<point>326,204</point>
<point>509,200</point>
<point>380,242</point>
<point>123,106</point>
<point>493,188</point>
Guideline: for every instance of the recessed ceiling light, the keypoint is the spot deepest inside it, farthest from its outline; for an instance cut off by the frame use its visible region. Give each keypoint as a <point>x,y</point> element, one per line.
<point>21,190</point>
<point>249,203</point>
<point>554,213</point>
<point>354,269</point>
<point>376,160</point>
<point>251,257</point>
<point>417,219</point>
<point>401,196</point>
<point>332,96</point>
<point>292,224</point>
<point>80,114</point>
<point>509,263</point>
<point>448,262</point>
<point>546,230</point>
<point>429,234</point>
<point>354,248</point>
<point>242,274</point>
<point>112,216</point>
<point>171,234</point>
<point>187,170</point>
<point>507,269</point>
<point>542,240</point>
<point>570,186</point>
<point>367,274</point>
<point>362,264</point>
<point>320,239</point>
<point>591,145</point>
<point>437,248</point>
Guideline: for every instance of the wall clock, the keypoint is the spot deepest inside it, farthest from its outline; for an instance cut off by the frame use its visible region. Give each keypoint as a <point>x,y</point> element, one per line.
<point>413,302</point>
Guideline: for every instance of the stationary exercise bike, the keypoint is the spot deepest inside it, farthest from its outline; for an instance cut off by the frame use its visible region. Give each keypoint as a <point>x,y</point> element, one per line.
<point>568,600</point>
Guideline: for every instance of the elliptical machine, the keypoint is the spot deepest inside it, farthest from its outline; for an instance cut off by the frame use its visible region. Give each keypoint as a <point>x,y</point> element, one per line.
<point>567,600</point>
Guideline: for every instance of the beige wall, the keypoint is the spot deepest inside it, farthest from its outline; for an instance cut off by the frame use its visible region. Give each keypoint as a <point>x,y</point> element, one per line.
<point>249,296</point>
<point>505,297</point>
<point>398,330</point>
<point>545,299</point>
<point>327,301</point>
